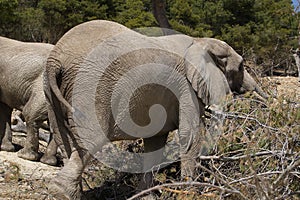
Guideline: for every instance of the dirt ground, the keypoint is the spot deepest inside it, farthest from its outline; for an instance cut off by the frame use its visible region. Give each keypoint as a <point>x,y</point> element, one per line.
<point>22,179</point>
<point>284,86</point>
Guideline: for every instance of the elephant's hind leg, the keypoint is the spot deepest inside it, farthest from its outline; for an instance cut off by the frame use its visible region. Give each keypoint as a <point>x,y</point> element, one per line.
<point>152,144</point>
<point>49,157</point>
<point>31,147</point>
<point>35,112</point>
<point>5,128</point>
<point>67,183</point>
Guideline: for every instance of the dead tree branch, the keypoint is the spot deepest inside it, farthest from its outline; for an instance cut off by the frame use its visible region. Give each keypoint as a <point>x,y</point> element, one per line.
<point>282,176</point>
<point>247,117</point>
<point>179,184</point>
<point>234,158</point>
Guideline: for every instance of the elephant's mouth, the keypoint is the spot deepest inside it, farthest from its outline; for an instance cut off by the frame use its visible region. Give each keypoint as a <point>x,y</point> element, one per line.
<point>256,90</point>
<point>237,88</point>
<point>240,90</point>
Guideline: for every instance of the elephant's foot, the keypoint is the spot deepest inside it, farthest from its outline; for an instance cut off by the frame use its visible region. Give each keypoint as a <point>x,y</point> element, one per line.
<point>28,154</point>
<point>64,190</point>
<point>8,147</point>
<point>49,160</point>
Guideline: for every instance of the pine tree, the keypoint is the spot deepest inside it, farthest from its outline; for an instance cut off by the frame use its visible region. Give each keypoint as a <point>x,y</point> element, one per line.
<point>134,14</point>
<point>8,17</point>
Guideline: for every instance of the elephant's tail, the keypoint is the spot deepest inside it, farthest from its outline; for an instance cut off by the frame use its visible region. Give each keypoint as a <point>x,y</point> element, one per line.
<point>51,75</point>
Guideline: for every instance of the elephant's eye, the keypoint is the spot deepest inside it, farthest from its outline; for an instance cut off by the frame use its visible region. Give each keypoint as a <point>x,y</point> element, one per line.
<point>224,62</point>
<point>241,66</point>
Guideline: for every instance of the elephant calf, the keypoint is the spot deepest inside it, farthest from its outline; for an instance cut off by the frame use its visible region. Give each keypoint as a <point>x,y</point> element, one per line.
<point>21,87</point>
<point>106,82</point>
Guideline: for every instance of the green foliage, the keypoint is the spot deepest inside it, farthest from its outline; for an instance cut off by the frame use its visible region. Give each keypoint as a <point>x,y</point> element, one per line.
<point>242,11</point>
<point>54,21</point>
<point>261,30</point>
<point>275,25</point>
<point>61,15</point>
<point>133,14</point>
<point>8,16</point>
<point>197,18</point>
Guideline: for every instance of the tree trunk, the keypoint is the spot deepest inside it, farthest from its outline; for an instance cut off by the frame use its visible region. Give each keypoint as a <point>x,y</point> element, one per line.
<point>297,60</point>
<point>296,53</point>
<point>159,13</point>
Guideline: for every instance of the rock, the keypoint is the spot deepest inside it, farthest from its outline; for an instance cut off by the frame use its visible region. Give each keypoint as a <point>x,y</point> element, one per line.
<point>27,168</point>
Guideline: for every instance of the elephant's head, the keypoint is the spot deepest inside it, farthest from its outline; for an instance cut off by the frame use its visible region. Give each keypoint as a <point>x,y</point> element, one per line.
<point>221,71</point>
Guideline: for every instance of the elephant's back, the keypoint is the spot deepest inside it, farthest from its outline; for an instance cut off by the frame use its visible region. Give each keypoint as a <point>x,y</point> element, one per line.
<point>21,65</point>
<point>78,42</point>
<point>19,56</point>
<point>24,61</point>
<point>75,50</point>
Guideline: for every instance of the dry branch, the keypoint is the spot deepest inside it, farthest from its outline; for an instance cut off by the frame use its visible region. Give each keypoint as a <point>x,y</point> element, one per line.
<point>284,174</point>
<point>222,181</point>
<point>234,158</point>
<point>179,184</point>
<point>247,117</point>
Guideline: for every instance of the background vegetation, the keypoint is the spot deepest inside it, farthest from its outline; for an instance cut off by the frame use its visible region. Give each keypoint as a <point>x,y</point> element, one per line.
<point>263,31</point>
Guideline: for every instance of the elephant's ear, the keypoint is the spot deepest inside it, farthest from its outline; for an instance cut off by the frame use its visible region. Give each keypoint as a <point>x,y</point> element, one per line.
<point>207,80</point>
<point>223,54</point>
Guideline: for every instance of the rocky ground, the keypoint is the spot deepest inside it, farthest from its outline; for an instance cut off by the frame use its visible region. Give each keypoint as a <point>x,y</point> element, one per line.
<point>21,179</point>
<point>284,86</point>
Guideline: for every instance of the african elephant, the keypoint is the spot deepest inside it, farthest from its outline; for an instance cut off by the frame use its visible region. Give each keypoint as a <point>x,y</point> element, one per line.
<point>21,87</point>
<point>105,82</point>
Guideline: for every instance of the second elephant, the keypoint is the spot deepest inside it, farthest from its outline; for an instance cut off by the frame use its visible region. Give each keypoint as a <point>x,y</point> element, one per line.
<point>21,87</point>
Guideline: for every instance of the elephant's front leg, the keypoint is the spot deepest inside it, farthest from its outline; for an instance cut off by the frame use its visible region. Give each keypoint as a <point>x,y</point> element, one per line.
<point>5,128</point>
<point>191,131</point>
<point>189,156</point>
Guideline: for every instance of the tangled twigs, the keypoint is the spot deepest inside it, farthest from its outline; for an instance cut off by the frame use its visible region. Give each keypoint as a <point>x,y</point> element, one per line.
<point>178,191</point>
<point>283,175</point>
<point>211,195</point>
<point>221,180</point>
<point>233,158</point>
<point>178,184</point>
<point>248,117</point>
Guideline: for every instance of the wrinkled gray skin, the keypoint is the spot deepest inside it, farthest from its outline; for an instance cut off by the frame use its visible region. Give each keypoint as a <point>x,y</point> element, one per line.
<point>211,68</point>
<point>21,87</point>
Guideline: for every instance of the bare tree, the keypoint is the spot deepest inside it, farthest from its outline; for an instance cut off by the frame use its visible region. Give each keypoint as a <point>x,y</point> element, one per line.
<point>297,60</point>
<point>297,8</point>
<point>296,53</point>
<point>159,12</point>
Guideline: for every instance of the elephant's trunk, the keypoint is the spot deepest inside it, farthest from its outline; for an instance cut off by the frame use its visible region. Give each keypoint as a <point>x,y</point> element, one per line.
<point>249,84</point>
